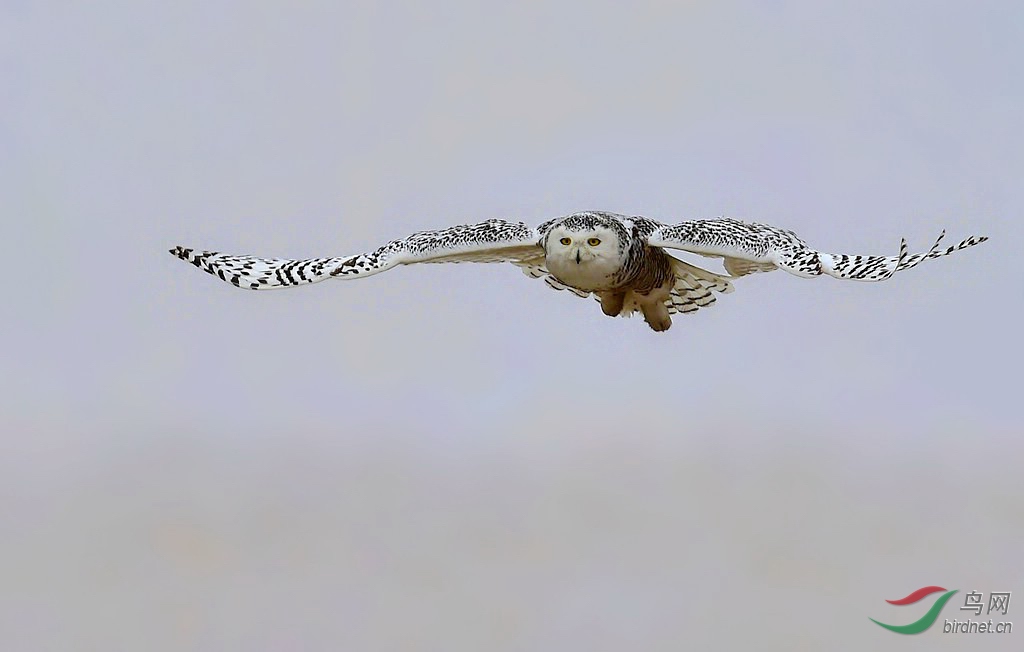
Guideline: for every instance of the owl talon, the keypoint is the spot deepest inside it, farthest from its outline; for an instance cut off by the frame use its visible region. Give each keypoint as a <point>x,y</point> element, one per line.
<point>657,317</point>
<point>612,303</point>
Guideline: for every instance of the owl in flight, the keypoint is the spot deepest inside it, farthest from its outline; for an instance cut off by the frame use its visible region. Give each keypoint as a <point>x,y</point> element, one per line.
<point>621,260</point>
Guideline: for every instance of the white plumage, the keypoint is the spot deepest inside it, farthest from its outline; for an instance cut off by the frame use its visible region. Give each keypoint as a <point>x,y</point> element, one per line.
<point>620,260</point>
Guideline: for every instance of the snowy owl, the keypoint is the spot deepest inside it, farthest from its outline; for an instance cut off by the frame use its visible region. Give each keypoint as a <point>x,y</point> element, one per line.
<point>620,260</point>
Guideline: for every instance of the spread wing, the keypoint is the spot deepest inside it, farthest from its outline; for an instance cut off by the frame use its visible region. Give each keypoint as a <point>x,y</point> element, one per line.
<point>487,242</point>
<point>750,247</point>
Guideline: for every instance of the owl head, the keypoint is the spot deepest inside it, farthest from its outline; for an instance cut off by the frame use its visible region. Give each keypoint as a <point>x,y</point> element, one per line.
<point>584,249</point>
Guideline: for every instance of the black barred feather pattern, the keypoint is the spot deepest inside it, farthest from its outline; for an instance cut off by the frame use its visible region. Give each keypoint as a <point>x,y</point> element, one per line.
<point>752,247</point>
<point>537,270</point>
<point>620,259</point>
<point>493,241</point>
<point>486,242</point>
<point>879,268</point>
<point>254,273</point>
<point>694,288</point>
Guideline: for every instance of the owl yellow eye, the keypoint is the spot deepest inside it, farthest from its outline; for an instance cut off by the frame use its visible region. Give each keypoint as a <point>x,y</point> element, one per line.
<point>593,242</point>
<point>565,241</point>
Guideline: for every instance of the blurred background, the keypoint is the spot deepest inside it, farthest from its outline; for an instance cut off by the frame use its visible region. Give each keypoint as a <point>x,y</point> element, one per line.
<point>456,457</point>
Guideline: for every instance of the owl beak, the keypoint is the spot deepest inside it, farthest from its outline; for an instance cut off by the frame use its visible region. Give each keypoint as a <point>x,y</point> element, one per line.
<point>577,256</point>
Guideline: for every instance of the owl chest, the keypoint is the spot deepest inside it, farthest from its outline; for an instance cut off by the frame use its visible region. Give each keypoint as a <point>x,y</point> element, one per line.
<point>589,275</point>
<point>649,269</point>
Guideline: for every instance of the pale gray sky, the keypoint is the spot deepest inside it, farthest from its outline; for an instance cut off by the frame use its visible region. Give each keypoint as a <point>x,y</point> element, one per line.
<point>456,457</point>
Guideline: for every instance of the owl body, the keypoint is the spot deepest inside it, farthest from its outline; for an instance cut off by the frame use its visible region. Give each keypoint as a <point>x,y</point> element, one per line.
<point>622,261</point>
<point>604,254</point>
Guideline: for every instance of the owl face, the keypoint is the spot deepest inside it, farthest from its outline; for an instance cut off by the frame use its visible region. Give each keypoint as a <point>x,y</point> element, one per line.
<point>583,245</point>
<point>583,256</point>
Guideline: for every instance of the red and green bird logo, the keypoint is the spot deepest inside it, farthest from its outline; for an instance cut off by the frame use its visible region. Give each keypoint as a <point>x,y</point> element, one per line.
<point>925,621</point>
